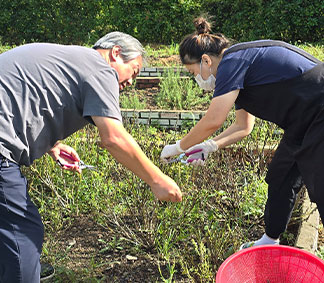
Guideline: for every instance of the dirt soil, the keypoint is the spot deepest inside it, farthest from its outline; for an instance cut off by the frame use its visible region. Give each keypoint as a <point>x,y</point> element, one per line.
<point>85,244</point>
<point>165,61</point>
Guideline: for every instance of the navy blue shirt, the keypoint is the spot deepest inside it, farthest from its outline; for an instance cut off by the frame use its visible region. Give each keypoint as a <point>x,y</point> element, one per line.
<point>257,66</point>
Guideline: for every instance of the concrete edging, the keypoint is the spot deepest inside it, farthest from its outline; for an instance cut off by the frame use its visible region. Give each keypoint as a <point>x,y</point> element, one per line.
<point>308,232</point>
<point>171,119</point>
<point>151,76</point>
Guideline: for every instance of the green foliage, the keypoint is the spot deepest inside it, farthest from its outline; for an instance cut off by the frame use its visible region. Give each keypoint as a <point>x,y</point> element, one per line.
<point>4,48</point>
<point>179,93</point>
<point>63,21</point>
<point>221,203</point>
<point>297,20</point>
<point>130,99</point>
<point>155,21</point>
<point>161,50</point>
<point>320,252</point>
<point>166,21</point>
<point>317,50</point>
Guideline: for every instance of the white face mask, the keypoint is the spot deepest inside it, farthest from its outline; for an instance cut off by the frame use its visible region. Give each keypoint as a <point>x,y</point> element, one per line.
<point>208,84</point>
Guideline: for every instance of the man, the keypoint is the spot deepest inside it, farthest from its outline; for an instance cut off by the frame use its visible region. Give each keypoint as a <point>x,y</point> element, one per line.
<point>47,92</point>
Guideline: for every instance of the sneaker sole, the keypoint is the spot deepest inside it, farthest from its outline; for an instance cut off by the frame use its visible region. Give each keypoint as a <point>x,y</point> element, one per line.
<point>47,277</point>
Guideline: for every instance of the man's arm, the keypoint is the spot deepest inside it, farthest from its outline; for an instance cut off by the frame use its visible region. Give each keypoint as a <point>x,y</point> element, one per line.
<point>125,149</point>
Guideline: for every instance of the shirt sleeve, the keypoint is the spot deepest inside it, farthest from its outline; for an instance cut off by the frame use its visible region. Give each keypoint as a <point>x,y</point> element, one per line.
<point>101,95</point>
<point>230,74</point>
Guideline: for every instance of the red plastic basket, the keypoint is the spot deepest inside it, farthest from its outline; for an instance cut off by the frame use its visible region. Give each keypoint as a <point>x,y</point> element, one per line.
<point>271,264</point>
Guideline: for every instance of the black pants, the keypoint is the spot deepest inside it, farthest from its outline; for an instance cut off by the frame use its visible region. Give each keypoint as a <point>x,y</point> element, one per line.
<point>285,181</point>
<point>292,166</point>
<point>21,228</point>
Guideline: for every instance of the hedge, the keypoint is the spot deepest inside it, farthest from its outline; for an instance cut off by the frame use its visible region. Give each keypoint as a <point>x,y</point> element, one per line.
<point>164,21</point>
<point>289,20</point>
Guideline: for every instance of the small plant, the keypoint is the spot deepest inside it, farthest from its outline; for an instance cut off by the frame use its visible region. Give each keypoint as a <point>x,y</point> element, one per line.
<point>4,48</point>
<point>180,93</point>
<point>132,100</point>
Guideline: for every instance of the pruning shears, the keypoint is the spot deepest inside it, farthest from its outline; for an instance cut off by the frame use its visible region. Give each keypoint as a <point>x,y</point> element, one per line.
<point>184,157</point>
<point>81,164</point>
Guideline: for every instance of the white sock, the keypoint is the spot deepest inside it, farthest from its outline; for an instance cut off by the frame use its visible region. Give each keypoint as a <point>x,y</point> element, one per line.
<point>265,240</point>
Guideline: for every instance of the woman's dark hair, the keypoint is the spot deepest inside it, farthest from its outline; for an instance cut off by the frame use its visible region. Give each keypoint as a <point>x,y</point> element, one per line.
<point>193,46</point>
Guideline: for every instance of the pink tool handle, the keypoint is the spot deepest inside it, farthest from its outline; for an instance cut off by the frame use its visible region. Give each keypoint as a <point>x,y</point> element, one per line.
<point>193,152</point>
<point>67,155</point>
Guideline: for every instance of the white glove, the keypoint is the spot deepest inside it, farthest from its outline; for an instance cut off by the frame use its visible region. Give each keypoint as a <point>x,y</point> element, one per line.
<point>170,150</point>
<point>198,154</point>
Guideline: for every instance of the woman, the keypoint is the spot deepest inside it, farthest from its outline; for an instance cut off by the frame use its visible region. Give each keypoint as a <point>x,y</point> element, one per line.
<point>271,80</point>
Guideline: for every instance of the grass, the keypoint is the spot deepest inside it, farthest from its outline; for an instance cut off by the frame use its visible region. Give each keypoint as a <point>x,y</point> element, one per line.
<point>316,49</point>
<point>158,51</point>
<point>181,94</point>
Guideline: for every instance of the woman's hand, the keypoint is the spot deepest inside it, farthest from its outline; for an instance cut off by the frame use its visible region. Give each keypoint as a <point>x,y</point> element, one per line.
<point>170,150</point>
<point>198,154</point>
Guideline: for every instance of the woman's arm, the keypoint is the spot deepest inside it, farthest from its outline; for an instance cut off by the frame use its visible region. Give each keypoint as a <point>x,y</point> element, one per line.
<point>212,121</point>
<point>242,127</point>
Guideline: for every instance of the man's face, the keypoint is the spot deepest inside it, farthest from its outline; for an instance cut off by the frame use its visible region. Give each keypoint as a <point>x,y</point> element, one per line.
<point>128,71</point>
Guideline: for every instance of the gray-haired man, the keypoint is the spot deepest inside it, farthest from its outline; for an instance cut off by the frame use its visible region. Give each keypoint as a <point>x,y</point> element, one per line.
<point>47,92</point>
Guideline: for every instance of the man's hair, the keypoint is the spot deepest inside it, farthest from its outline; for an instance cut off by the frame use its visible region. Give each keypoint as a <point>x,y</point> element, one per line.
<point>130,46</point>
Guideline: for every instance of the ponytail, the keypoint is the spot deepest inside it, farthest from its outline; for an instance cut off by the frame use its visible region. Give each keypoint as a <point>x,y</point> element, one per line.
<point>201,42</point>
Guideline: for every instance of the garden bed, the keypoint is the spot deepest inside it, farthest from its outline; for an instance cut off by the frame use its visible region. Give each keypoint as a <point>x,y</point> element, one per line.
<point>108,226</point>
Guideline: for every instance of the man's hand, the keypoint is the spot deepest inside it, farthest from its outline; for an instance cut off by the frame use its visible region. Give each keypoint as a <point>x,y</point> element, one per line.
<point>55,151</point>
<point>166,189</point>
<point>199,152</point>
<point>170,150</point>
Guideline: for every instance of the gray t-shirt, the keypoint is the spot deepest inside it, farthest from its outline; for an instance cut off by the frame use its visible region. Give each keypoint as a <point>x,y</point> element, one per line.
<point>49,91</point>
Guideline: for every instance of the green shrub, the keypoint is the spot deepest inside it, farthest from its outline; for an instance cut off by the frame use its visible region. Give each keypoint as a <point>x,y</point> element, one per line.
<point>155,21</point>
<point>132,100</point>
<point>63,21</point>
<point>222,205</point>
<point>165,21</point>
<point>296,20</point>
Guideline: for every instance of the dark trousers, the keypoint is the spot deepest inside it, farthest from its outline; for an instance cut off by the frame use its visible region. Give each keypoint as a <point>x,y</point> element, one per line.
<point>285,182</point>
<point>292,166</point>
<point>21,228</point>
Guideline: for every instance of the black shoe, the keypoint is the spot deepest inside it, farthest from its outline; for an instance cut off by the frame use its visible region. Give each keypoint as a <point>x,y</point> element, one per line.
<point>47,271</point>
